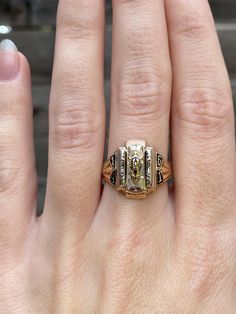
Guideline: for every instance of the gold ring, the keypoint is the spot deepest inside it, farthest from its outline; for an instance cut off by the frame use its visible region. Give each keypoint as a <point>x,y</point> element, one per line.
<point>136,170</point>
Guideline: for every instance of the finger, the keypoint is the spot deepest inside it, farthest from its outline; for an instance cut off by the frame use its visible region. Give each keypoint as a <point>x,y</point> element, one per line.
<point>141,79</point>
<point>17,164</point>
<point>76,112</point>
<point>203,143</point>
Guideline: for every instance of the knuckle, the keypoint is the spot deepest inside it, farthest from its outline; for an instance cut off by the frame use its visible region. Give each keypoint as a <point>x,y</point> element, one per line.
<point>140,43</point>
<point>72,25</point>
<point>141,94</point>
<point>77,124</point>
<point>208,110</point>
<point>191,27</point>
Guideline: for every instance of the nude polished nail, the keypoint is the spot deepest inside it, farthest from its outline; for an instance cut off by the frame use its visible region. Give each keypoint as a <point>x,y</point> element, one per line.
<point>9,61</point>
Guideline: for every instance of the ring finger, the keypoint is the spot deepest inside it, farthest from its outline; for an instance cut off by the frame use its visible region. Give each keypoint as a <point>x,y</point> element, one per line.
<point>141,79</point>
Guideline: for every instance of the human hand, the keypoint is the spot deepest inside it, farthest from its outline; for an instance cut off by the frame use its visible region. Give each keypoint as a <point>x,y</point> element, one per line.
<point>93,252</point>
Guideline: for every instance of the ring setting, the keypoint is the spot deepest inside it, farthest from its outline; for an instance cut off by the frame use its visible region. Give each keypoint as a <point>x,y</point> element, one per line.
<point>136,170</point>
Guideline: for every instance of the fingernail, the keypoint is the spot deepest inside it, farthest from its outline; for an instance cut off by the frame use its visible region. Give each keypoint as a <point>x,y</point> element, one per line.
<point>9,61</point>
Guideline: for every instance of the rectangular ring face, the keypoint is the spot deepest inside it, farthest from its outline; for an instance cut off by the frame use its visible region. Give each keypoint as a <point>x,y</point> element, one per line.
<point>135,180</point>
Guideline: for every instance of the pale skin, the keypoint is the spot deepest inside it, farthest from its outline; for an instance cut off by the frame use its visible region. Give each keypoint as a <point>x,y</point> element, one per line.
<point>93,252</point>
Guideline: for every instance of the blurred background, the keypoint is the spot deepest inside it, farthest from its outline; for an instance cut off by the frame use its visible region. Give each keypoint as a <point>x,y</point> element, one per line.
<point>31,25</point>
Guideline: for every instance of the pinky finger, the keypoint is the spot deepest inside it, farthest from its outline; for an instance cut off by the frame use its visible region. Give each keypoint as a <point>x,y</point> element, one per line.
<point>203,138</point>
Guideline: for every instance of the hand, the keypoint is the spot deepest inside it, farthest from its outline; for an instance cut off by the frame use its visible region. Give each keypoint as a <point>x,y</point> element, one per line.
<point>174,252</point>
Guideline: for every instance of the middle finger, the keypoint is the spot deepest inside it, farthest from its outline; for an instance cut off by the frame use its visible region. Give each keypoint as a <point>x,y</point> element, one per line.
<point>76,115</point>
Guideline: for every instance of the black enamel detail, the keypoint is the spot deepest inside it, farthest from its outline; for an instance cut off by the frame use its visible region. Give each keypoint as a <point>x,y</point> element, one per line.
<point>159,160</point>
<point>113,177</point>
<point>160,178</point>
<point>113,161</point>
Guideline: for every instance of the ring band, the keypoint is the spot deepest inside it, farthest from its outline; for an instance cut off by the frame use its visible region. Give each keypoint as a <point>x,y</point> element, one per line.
<point>136,170</point>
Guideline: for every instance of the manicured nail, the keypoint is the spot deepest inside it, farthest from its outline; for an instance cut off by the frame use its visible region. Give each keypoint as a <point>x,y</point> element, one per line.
<point>9,61</point>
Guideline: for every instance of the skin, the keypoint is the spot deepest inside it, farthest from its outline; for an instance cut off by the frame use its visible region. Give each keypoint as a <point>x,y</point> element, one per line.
<point>93,252</point>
